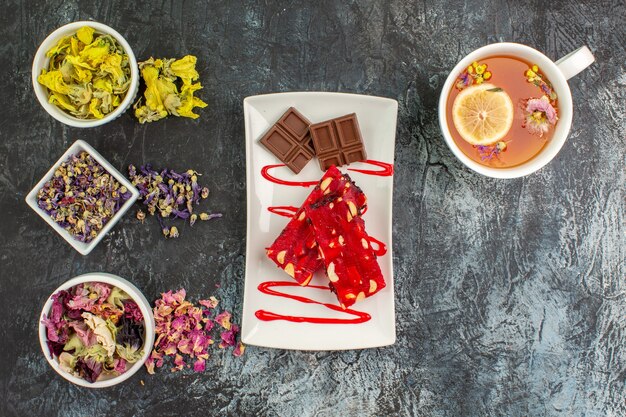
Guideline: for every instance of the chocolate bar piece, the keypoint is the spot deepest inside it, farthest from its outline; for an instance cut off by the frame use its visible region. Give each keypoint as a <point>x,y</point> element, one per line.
<point>290,141</point>
<point>338,141</point>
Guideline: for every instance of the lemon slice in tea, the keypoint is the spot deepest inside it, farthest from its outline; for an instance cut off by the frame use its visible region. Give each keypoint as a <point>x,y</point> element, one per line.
<point>482,114</point>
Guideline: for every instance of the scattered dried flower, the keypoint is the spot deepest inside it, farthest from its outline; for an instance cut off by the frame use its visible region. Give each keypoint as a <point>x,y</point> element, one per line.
<point>162,96</point>
<point>168,194</point>
<point>82,197</point>
<point>183,328</point>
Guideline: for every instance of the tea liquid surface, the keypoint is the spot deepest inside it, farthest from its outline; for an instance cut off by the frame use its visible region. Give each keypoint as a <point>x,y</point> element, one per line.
<point>508,73</point>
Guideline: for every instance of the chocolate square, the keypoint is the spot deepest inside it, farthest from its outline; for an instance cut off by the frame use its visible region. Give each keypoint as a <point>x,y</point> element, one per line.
<point>289,140</point>
<point>338,141</point>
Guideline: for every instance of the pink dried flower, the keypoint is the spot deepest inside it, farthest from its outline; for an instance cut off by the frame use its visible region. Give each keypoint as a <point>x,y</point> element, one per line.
<point>224,319</point>
<point>212,302</point>
<point>170,349</point>
<point>132,311</point>
<point>120,365</point>
<point>183,328</point>
<point>81,300</point>
<point>540,115</point>
<point>199,365</point>
<point>179,362</point>
<point>228,337</point>
<point>239,349</point>
<point>84,333</point>
<point>102,290</point>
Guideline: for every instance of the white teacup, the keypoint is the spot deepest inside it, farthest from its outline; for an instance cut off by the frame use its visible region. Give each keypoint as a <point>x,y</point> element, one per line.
<point>557,72</point>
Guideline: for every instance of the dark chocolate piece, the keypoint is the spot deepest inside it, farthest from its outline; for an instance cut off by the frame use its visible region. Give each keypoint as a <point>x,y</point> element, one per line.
<point>289,140</point>
<point>338,141</point>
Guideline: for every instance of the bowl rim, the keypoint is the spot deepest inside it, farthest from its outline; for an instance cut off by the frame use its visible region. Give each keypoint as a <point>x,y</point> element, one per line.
<point>40,61</point>
<point>135,294</point>
<point>559,82</point>
<point>82,247</point>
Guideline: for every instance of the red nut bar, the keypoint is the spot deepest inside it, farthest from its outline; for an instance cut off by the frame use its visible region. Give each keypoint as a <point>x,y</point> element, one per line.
<point>295,250</point>
<point>344,246</point>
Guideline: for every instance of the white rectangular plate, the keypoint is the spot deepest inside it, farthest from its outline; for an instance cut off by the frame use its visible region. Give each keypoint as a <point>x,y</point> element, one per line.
<point>377,120</point>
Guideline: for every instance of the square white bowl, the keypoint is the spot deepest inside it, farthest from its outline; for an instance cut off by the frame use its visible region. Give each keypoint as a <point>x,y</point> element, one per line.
<point>377,121</point>
<point>77,147</point>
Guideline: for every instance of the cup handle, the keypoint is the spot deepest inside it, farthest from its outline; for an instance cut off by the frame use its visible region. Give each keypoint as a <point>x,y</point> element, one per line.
<point>574,62</point>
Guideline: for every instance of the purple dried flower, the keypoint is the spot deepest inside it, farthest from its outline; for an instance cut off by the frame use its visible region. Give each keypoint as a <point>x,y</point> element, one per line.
<point>169,194</point>
<point>82,197</point>
<point>132,311</point>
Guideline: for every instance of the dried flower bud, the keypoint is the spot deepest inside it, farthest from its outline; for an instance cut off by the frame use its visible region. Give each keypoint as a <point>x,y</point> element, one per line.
<point>174,232</point>
<point>205,192</point>
<point>192,219</point>
<point>82,190</point>
<point>141,215</point>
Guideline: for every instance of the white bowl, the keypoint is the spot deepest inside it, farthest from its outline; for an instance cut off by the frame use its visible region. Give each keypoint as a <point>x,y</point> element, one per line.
<point>135,294</point>
<point>82,247</point>
<point>41,61</point>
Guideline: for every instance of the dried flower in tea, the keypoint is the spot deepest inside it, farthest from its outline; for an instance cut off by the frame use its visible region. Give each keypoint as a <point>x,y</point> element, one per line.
<point>162,96</point>
<point>473,74</point>
<point>82,197</point>
<point>539,115</point>
<point>534,76</point>
<point>88,75</point>
<point>169,194</point>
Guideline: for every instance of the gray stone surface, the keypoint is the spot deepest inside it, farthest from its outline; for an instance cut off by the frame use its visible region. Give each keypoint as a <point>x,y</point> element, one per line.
<point>511,295</point>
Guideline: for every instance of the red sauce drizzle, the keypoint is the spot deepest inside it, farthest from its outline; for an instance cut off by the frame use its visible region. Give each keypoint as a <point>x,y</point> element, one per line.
<point>288,211</point>
<point>285,211</point>
<point>382,248</point>
<point>265,288</point>
<point>265,173</point>
<point>387,169</point>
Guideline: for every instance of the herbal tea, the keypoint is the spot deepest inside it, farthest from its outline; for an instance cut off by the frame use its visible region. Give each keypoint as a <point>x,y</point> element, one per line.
<point>502,111</point>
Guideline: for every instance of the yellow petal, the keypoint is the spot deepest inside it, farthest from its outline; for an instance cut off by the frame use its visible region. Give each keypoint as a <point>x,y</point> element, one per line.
<point>94,108</point>
<point>74,46</point>
<point>188,101</point>
<point>61,101</point>
<point>153,98</point>
<point>104,85</point>
<point>185,69</point>
<point>112,64</point>
<point>85,35</point>
<point>53,80</point>
<point>61,47</point>
<point>95,52</point>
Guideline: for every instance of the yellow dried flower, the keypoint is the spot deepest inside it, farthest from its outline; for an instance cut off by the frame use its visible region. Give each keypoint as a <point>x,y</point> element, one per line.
<point>85,35</point>
<point>161,96</point>
<point>88,75</point>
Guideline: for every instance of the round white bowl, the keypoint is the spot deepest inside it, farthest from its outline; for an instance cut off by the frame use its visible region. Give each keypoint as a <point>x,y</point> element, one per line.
<point>135,294</point>
<point>41,61</point>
